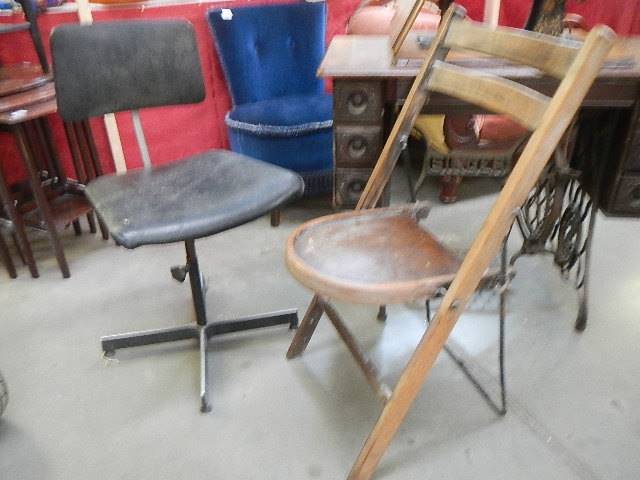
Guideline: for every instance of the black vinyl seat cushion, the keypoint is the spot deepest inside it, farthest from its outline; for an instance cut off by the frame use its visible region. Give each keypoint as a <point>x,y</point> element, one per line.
<point>192,198</point>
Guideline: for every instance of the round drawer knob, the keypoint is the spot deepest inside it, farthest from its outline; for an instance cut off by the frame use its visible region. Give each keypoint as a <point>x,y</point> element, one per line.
<point>357,102</point>
<point>357,147</point>
<point>356,186</point>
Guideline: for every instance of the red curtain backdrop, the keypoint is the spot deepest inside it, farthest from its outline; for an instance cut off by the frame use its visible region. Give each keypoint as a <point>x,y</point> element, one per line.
<point>621,15</point>
<point>172,132</point>
<point>176,132</point>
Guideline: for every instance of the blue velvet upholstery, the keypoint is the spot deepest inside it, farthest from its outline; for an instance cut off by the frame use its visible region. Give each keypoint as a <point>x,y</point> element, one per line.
<point>269,55</point>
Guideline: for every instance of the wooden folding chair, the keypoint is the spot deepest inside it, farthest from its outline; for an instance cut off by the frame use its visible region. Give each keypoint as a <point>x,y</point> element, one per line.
<point>383,256</point>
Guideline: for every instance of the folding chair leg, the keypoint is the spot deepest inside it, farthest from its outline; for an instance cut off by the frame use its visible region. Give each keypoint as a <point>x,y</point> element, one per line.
<point>499,408</point>
<point>503,313</point>
<point>41,200</point>
<point>368,368</point>
<point>431,344</point>
<point>306,328</point>
<point>402,397</point>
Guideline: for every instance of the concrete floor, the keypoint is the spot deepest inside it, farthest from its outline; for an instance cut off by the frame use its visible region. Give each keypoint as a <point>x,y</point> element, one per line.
<point>73,415</point>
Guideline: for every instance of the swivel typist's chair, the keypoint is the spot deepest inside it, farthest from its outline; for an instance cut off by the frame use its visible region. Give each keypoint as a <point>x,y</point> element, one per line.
<point>119,66</point>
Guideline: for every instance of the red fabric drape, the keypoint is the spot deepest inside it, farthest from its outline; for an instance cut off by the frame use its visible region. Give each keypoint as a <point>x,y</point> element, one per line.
<point>621,15</point>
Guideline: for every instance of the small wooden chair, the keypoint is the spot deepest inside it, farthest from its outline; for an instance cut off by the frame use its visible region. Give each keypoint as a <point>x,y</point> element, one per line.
<point>384,256</point>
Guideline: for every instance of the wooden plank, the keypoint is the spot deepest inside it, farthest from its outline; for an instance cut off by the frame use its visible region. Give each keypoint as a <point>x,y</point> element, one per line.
<point>562,108</point>
<point>406,13</point>
<point>496,94</point>
<point>364,56</point>
<point>113,135</point>
<point>549,54</point>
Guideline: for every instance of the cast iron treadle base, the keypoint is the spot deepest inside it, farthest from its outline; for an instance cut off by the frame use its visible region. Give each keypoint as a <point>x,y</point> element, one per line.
<point>201,330</point>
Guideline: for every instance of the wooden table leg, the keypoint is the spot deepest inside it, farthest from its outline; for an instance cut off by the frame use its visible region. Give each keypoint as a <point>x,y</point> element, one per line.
<point>44,208</point>
<point>80,134</point>
<point>19,232</point>
<point>44,136</point>
<point>5,256</point>
<point>97,166</point>
<point>80,172</point>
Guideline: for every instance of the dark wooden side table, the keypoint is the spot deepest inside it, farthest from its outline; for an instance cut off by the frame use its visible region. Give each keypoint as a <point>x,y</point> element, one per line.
<point>53,200</point>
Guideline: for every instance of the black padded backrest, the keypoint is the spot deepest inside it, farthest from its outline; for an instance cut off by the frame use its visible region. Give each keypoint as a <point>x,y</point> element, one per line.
<point>113,66</point>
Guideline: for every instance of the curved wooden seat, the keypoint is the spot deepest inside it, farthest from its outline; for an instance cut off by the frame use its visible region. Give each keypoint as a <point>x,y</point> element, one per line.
<point>374,256</point>
<point>21,77</point>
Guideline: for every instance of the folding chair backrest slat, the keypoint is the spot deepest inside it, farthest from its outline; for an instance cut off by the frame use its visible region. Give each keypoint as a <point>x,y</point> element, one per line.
<point>499,95</point>
<point>417,97</point>
<point>558,57</point>
<point>552,55</point>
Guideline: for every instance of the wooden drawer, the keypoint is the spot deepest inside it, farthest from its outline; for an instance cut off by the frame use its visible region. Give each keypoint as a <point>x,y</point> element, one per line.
<point>357,146</point>
<point>349,184</point>
<point>626,200</point>
<point>357,101</point>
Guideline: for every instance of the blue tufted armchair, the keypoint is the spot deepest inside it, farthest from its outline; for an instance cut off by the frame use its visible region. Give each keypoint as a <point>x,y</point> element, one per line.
<point>280,112</point>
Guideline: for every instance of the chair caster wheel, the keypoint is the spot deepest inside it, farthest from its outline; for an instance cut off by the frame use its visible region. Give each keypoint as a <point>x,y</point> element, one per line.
<point>179,273</point>
<point>581,319</point>
<point>204,405</point>
<point>4,395</point>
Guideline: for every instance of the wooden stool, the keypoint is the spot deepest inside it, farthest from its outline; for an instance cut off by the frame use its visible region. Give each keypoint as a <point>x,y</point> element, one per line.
<point>21,77</point>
